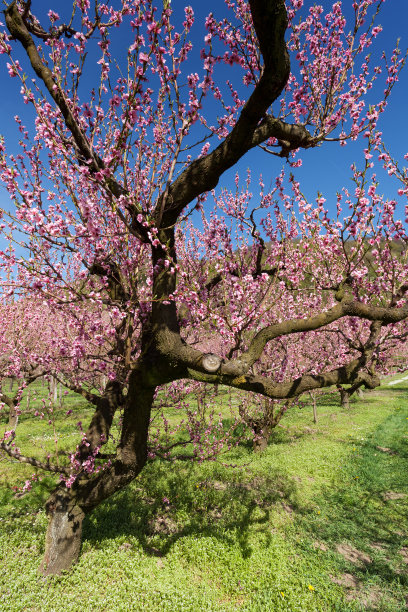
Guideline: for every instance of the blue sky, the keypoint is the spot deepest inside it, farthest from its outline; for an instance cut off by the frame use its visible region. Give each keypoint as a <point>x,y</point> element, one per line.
<point>325,169</point>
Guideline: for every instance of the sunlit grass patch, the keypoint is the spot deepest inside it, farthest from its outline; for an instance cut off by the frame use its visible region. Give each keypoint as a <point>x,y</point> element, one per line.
<point>317,522</point>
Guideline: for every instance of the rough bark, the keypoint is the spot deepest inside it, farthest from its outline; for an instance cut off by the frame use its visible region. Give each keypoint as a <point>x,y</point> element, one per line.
<point>263,425</point>
<point>64,534</point>
<point>67,508</point>
<point>370,381</point>
<point>261,439</point>
<point>101,422</point>
<point>11,403</point>
<point>344,398</point>
<point>346,374</point>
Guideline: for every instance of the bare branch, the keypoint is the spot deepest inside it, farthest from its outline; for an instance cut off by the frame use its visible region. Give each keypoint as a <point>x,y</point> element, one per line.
<point>92,398</point>
<point>42,465</point>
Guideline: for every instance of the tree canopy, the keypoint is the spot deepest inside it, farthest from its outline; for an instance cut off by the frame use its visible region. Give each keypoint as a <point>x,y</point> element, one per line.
<point>143,272</point>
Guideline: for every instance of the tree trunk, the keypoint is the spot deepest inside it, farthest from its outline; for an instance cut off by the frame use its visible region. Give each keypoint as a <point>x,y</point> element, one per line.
<point>64,534</point>
<point>314,404</point>
<point>261,440</point>
<point>53,386</point>
<point>13,418</point>
<point>344,398</point>
<point>66,508</point>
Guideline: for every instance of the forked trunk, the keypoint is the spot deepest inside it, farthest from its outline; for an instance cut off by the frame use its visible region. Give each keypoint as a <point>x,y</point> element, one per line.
<point>264,426</point>
<point>64,535</point>
<point>66,508</point>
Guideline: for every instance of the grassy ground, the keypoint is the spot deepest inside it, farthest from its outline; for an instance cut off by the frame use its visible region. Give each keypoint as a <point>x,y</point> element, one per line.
<point>317,522</point>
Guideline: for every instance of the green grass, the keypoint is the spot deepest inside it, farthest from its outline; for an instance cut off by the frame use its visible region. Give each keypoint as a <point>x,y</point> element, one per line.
<point>317,522</point>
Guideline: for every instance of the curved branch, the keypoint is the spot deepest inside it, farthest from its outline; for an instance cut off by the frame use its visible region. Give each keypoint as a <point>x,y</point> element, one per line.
<point>294,135</point>
<point>347,374</point>
<point>185,357</point>
<point>42,465</point>
<point>12,402</point>
<point>343,309</point>
<point>270,23</point>
<point>252,128</point>
<point>92,398</point>
<point>6,399</point>
<point>18,30</point>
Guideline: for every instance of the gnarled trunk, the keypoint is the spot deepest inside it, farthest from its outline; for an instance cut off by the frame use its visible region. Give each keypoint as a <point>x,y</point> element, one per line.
<point>67,508</point>
<point>370,381</point>
<point>64,534</point>
<point>265,424</point>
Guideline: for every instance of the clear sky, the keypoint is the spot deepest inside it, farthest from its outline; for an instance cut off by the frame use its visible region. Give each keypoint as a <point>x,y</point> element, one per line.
<point>324,169</point>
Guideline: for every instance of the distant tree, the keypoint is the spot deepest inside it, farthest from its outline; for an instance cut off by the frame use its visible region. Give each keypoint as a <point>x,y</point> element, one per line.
<point>22,358</point>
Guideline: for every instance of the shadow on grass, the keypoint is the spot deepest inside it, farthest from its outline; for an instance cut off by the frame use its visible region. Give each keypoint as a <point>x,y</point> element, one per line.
<point>14,504</point>
<point>329,399</point>
<point>173,503</point>
<point>385,392</point>
<point>368,507</point>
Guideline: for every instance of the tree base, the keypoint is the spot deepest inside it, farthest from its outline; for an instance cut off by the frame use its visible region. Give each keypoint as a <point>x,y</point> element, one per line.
<point>260,442</point>
<point>63,540</point>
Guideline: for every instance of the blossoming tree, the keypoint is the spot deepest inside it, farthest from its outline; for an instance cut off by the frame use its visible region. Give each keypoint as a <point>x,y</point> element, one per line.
<point>113,222</point>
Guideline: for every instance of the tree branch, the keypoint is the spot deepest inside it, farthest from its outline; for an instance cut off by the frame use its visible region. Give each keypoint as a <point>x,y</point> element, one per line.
<point>343,309</point>
<point>92,398</point>
<point>346,374</point>
<point>270,22</point>
<point>18,29</point>
<point>85,153</point>
<point>42,465</point>
<point>184,356</point>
